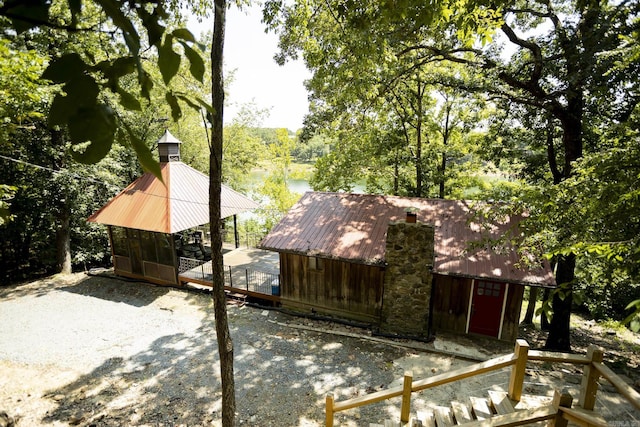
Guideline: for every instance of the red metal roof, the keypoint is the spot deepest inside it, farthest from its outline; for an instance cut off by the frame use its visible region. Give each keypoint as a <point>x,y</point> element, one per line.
<point>180,203</point>
<point>353,227</point>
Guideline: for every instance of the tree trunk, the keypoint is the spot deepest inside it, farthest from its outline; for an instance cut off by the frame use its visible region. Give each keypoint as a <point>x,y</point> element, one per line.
<point>559,329</point>
<point>531,306</point>
<point>63,240</point>
<point>544,322</point>
<point>225,344</point>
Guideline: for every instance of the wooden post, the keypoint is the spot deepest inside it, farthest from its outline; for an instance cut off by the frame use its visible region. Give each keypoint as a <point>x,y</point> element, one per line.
<point>563,399</point>
<point>590,375</point>
<point>329,410</point>
<point>516,380</point>
<point>406,397</point>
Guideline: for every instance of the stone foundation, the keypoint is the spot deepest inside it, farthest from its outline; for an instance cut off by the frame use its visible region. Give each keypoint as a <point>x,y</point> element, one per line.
<point>408,279</point>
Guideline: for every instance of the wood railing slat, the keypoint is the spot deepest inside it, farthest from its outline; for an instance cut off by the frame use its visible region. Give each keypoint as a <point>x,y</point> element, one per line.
<point>466,372</point>
<point>550,356</point>
<point>527,416</point>
<point>582,417</point>
<point>622,387</point>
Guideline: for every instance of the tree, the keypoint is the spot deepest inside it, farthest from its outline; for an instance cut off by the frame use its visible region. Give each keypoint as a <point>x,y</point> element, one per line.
<point>92,123</point>
<point>571,69</point>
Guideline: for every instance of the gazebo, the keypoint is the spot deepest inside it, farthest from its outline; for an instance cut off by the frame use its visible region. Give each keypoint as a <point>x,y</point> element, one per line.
<point>148,219</point>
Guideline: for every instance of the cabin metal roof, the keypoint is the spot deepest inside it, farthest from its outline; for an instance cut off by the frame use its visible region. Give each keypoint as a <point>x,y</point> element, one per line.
<point>353,227</point>
<point>180,203</point>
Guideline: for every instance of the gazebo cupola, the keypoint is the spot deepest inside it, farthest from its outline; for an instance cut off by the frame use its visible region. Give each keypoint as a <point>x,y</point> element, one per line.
<point>169,148</point>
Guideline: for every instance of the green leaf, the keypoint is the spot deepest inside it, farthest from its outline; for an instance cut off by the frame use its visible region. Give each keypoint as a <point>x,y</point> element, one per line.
<point>95,125</point>
<point>155,30</point>
<point>65,68</point>
<point>82,92</point>
<point>145,157</point>
<point>31,11</point>
<point>60,111</point>
<point>112,8</point>
<point>146,84</point>
<point>176,111</point>
<point>124,65</point>
<point>196,62</point>
<point>128,101</point>
<point>168,60</point>
<point>184,34</point>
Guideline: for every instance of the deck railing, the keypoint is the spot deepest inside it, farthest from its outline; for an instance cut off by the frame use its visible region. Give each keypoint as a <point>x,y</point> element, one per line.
<point>593,369</point>
<point>247,280</point>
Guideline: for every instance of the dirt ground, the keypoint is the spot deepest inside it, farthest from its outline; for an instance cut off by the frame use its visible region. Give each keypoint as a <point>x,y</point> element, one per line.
<point>98,351</point>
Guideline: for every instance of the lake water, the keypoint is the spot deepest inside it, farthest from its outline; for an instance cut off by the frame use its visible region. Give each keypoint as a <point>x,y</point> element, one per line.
<point>300,186</point>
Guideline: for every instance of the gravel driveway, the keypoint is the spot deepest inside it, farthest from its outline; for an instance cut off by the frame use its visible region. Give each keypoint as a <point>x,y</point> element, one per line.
<point>92,350</point>
<point>99,351</point>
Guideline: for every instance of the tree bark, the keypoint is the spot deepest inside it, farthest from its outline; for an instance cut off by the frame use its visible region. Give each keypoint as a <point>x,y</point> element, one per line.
<point>559,331</point>
<point>225,343</point>
<point>63,240</point>
<point>531,306</point>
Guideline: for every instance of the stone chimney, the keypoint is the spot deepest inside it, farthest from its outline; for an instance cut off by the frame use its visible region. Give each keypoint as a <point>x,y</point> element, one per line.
<point>408,279</point>
<point>169,148</point>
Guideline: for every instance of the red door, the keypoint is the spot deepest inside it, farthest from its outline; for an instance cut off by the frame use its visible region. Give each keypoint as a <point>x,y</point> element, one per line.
<point>486,308</point>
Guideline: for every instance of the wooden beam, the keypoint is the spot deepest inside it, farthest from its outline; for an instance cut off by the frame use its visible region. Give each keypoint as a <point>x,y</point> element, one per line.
<point>406,397</point>
<point>518,418</point>
<point>560,400</point>
<point>481,408</point>
<point>590,375</point>
<point>461,412</point>
<point>516,380</point>
<point>623,388</point>
<point>466,372</point>
<point>583,417</point>
<point>501,402</point>
<point>329,410</point>
<point>551,356</point>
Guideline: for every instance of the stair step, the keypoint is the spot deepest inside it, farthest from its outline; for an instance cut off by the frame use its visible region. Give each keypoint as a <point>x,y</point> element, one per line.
<point>426,418</point>
<point>501,402</point>
<point>481,408</point>
<point>462,412</point>
<point>444,417</point>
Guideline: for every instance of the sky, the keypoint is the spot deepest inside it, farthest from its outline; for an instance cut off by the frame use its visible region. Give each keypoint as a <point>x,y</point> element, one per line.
<point>257,78</point>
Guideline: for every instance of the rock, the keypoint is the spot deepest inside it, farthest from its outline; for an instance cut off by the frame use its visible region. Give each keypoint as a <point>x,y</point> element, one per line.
<point>58,397</point>
<point>76,419</point>
<point>6,420</point>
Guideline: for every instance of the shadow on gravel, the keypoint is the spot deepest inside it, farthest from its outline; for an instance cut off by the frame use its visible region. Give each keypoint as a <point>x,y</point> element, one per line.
<point>173,382</point>
<point>282,377</point>
<point>137,294</point>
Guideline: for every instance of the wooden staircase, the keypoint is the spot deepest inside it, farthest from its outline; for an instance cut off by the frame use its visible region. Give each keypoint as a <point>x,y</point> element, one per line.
<point>496,409</point>
<point>500,408</point>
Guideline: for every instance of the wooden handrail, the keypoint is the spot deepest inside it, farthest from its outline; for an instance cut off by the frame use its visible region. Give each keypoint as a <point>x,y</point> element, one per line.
<point>582,417</point>
<point>593,368</point>
<point>466,372</point>
<point>550,356</point>
<point>623,388</point>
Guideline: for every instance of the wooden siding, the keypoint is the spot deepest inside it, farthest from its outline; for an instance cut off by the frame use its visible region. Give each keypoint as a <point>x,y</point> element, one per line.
<point>349,290</point>
<point>451,303</point>
<point>512,313</point>
<point>451,299</point>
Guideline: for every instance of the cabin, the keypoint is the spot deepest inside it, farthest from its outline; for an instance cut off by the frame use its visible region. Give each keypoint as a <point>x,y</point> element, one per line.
<point>407,266</point>
<point>153,223</point>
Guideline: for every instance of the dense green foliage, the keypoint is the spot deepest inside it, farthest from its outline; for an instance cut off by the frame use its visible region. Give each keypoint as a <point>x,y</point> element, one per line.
<point>538,85</point>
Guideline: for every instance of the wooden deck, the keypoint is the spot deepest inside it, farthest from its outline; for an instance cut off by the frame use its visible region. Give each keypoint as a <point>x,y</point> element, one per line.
<point>249,272</point>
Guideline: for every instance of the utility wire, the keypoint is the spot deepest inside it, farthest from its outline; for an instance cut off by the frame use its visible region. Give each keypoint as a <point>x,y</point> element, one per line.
<point>102,182</point>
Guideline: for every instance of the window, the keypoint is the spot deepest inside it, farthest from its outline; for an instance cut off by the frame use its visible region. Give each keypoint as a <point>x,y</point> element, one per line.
<point>119,241</point>
<point>316,263</point>
<point>489,289</point>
